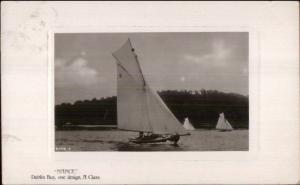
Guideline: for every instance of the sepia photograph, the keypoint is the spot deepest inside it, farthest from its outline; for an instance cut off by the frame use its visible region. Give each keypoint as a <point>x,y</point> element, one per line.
<point>181,92</point>
<point>153,91</point>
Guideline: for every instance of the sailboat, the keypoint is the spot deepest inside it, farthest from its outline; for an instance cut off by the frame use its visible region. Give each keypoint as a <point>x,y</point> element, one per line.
<point>140,108</point>
<point>223,124</point>
<point>187,124</point>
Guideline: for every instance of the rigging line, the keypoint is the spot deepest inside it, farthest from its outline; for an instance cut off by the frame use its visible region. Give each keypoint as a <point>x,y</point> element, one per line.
<point>119,64</point>
<point>156,111</point>
<point>162,104</point>
<point>144,81</point>
<point>136,57</point>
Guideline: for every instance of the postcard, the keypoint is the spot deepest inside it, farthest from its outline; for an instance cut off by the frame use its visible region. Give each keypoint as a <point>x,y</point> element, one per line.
<point>150,92</point>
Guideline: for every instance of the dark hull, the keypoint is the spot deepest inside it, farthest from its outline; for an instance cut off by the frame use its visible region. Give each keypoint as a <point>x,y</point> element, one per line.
<point>225,130</point>
<point>140,141</point>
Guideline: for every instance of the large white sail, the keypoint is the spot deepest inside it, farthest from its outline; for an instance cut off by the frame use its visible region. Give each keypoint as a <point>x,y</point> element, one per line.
<point>223,123</point>
<point>139,107</point>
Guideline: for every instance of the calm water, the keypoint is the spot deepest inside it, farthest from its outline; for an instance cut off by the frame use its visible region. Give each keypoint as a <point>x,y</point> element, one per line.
<point>115,140</point>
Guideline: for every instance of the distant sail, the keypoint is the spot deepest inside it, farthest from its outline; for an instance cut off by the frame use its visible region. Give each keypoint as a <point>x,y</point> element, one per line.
<point>139,107</point>
<point>187,124</point>
<point>223,123</point>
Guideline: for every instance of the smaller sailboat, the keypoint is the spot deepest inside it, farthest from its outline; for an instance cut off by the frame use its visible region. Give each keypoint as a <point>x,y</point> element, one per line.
<point>187,124</point>
<point>223,124</point>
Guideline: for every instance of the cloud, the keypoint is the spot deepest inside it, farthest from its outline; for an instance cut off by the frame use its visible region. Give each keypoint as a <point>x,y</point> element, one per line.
<point>218,56</point>
<point>182,78</point>
<point>75,73</point>
<point>83,53</point>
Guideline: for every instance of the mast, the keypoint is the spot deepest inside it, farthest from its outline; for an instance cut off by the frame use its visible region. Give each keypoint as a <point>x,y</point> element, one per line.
<point>138,63</point>
<point>144,83</point>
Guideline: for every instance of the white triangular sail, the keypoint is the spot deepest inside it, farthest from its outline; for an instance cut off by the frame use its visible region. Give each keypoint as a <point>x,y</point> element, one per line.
<point>223,123</point>
<point>139,107</point>
<point>187,124</point>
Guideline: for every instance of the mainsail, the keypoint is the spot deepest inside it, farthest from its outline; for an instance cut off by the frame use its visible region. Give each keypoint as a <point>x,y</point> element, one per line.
<point>223,123</point>
<point>187,124</point>
<point>139,107</point>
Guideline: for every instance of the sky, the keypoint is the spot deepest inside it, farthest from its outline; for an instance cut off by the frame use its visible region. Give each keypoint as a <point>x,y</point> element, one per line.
<point>86,69</point>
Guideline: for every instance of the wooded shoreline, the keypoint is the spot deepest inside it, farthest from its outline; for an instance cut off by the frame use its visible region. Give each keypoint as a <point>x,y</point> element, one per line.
<point>201,107</point>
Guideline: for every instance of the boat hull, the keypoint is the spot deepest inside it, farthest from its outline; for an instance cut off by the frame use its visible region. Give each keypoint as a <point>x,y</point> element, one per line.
<point>141,141</point>
<point>224,130</point>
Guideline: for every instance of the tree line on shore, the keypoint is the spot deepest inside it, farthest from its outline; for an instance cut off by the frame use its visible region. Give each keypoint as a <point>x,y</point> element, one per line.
<point>201,107</point>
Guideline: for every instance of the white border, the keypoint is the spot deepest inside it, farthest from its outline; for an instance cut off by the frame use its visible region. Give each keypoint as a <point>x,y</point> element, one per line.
<point>24,28</point>
<point>169,155</point>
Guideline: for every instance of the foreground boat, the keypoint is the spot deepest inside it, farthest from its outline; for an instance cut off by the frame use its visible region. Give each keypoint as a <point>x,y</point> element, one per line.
<point>150,140</point>
<point>140,109</point>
